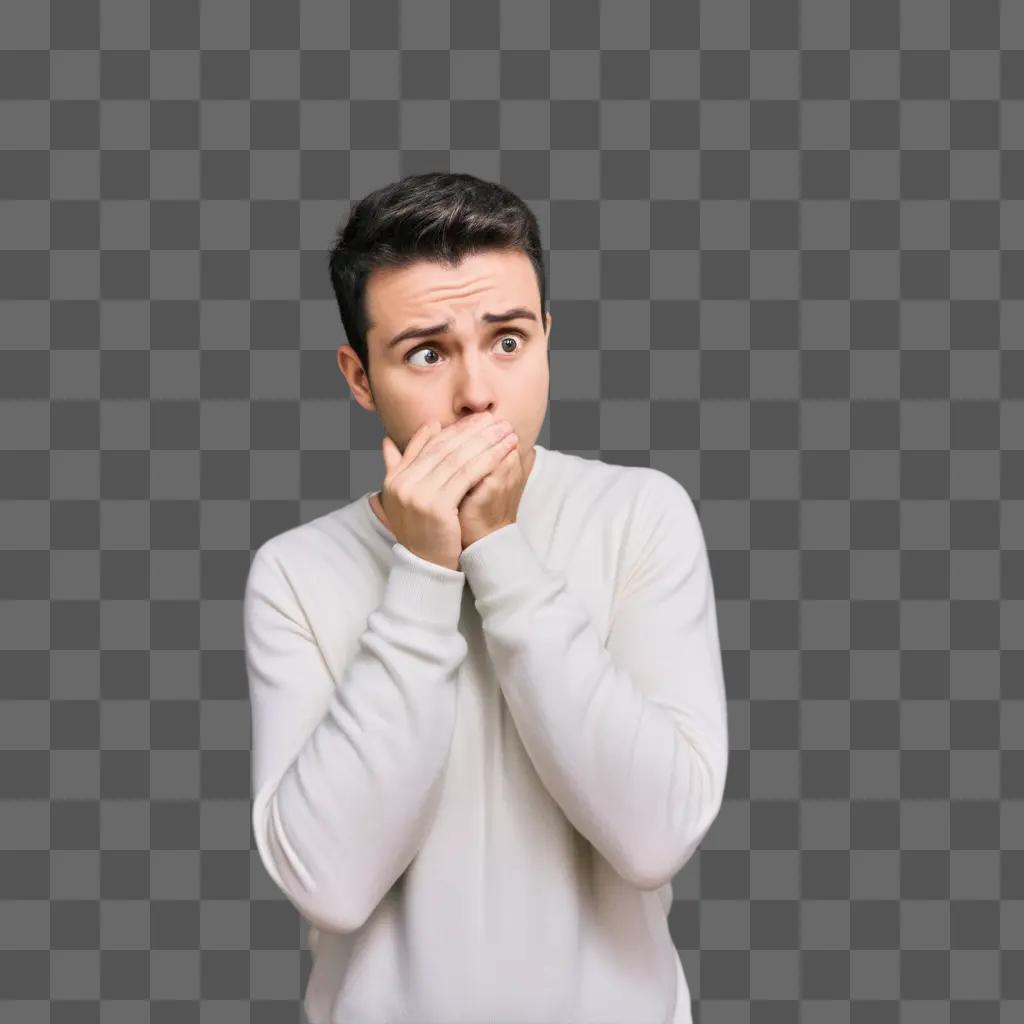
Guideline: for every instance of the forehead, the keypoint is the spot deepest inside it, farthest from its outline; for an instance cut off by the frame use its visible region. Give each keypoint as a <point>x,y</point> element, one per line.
<point>395,296</point>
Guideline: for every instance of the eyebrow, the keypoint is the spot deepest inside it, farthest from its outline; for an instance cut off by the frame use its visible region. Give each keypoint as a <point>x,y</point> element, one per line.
<point>518,313</point>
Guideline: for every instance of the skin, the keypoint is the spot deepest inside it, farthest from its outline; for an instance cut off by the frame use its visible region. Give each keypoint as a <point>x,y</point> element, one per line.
<point>470,368</point>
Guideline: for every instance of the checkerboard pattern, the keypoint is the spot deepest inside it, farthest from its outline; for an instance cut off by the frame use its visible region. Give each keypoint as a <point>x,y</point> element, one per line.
<point>786,245</point>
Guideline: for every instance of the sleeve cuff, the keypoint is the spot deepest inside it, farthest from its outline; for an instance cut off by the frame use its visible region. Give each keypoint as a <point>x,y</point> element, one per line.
<point>501,561</point>
<point>423,590</point>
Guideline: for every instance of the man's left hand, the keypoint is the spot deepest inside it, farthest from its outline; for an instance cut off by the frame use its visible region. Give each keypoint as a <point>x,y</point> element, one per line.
<point>493,502</point>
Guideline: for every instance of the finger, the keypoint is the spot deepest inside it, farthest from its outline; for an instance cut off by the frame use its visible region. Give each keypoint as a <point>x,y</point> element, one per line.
<point>457,447</point>
<point>416,442</point>
<point>504,469</point>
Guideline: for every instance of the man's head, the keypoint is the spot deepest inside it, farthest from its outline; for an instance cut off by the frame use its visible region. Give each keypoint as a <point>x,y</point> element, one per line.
<point>444,249</point>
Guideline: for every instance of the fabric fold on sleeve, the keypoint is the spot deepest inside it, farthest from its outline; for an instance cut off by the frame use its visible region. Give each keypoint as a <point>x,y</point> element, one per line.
<point>629,736</point>
<point>348,761</point>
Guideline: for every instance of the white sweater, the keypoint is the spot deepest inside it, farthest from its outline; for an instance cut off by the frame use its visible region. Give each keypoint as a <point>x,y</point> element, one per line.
<point>477,785</point>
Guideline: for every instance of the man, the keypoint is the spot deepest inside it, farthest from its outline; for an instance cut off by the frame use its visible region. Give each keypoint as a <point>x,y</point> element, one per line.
<point>489,717</point>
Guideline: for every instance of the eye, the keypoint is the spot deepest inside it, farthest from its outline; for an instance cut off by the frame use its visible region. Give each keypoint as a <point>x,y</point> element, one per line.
<point>517,335</point>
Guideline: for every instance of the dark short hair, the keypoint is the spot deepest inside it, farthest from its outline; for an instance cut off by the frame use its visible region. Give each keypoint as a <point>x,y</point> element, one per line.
<point>437,216</point>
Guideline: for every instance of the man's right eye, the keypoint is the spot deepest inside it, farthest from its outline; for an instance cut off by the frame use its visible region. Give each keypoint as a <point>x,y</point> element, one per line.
<point>419,348</point>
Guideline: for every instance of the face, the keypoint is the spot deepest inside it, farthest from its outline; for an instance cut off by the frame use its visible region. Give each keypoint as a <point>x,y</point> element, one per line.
<point>476,365</point>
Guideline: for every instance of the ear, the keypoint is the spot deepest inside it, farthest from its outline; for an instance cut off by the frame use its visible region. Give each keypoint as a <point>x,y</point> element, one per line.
<point>547,330</point>
<point>358,382</point>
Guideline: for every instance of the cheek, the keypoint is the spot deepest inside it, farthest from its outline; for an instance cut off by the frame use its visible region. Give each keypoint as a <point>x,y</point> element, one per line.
<point>536,386</point>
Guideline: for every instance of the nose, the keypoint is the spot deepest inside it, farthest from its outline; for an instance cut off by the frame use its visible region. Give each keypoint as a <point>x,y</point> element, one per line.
<point>473,391</point>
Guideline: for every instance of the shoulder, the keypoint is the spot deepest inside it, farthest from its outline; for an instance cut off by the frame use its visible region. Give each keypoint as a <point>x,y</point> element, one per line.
<point>649,493</point>
<point>605,485</point>
<point>313,555</point>
<point>643,493</point>
<point>639,510</point>
<point>664,495</point>
<point>291,548</point>
<point>662,524</point>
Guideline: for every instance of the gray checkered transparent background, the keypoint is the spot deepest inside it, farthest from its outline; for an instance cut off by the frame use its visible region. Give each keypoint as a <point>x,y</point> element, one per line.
<point>786,247</point>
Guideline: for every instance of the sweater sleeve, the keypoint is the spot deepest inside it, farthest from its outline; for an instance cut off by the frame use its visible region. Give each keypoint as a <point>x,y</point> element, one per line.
<point>347,760</point>
<point>628,736</point>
